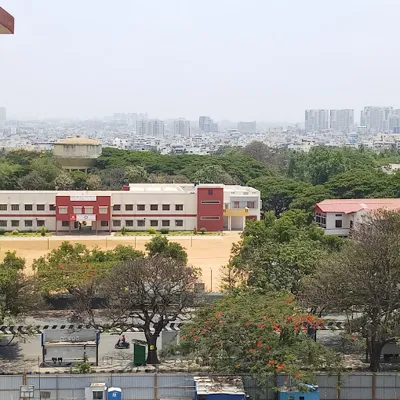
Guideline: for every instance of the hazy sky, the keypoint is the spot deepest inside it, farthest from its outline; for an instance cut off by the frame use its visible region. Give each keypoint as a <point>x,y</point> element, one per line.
<point>231,59</point>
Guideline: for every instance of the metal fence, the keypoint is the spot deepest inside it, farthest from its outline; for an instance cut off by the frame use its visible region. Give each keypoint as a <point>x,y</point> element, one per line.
<point>355,386</point>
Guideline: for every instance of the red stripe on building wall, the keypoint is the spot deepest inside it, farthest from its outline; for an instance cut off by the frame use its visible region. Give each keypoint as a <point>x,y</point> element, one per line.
<point>28,215</point>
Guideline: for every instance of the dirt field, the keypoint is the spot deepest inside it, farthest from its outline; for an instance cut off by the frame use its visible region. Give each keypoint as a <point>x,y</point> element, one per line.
<point>208,253</point>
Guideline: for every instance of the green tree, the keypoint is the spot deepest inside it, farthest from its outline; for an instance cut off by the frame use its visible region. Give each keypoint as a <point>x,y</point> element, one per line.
<point>33,181</point>
<point>213,174</point>
<point>79,179</point>
<point>64,181</point>
<point>274,254</point>
<point>161,246</point>
<point>256,334</point>
<point>364,278</point>
<point>360,183</point>
<point>322,163</point>
<point>17,294</point>
<point>93,182</point>
<point>47,168</point>
<point>136,174</point>
<point>113,178</point>
<point>147,293</point>
<point>9,176</point>
<point>77,270</point>
<point>277,192</point>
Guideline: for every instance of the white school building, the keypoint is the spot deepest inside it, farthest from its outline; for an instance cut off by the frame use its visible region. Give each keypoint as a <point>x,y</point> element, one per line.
<point>137,207</point>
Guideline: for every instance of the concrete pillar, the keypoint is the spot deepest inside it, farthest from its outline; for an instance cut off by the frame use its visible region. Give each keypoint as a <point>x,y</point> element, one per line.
<point>229,223</point>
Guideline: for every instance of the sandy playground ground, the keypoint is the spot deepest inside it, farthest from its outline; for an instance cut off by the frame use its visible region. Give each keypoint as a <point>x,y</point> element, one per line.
<point>208,253</point>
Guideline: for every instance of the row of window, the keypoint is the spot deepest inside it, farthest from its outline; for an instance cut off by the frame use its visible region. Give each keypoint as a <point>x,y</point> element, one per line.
<point>116,207</point>
<point>142,207</point>
<point>27,207</point>
<point>28,223</point>
<point>89,209</point>
<point>320,219</point>
<point>241,204</point>
<point>131,223</point>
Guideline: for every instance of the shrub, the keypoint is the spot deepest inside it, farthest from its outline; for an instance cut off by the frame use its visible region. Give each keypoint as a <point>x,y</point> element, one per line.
<point>15,232</point>
<point>194,231</point>
<point>203,230</point>
<point>2,232</point>
<point>164,231</point>
<point>123,231</point>
<point>152,231</point>
<point>43,231</point>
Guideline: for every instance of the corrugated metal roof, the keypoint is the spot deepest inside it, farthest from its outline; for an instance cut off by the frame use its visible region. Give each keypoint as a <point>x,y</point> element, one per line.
<point>348,206</point>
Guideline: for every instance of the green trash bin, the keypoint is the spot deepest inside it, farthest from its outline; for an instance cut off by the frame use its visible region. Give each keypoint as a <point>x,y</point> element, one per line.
<point>139,352</point>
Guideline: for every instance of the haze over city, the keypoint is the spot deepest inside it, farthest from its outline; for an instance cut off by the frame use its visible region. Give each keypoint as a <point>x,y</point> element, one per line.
<point>239,60</point>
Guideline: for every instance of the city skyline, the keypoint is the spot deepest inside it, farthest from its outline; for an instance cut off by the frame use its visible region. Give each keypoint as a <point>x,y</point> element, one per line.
<point>159,57</point>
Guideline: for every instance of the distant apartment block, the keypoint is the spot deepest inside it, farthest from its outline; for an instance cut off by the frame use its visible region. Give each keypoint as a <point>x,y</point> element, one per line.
<point>247,127</point>
<point>151,127</point>
<point>341,120</point>
<point>142,127</point>
<point>182,127</point>
<point>3,115</point>
<point>155,128</point>
<point>206,124</point>
<point>339,216</point>
<point>316,120</point>
<point>376,119</point>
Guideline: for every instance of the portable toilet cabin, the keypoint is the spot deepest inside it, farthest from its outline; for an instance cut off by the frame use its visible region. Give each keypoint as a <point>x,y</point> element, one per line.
<point>114,393</point>
<point>219,388</point>
<point>306,392</point>
<point>96,391</point>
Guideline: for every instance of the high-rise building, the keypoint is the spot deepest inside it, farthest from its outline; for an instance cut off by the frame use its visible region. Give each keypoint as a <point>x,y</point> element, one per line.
<point>394,123</point>
<point>142,127</point>
<point>247,127</point>
<point>206,124</point>
<point>182,127</point>
<point>341,120</point>
<point>3,115</point>
<point>376,119</point>
<point>316,120</point>
<point>155,127</point>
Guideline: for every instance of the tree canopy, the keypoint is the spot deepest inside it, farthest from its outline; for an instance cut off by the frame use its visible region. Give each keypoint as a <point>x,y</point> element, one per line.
<point>257,334</point>
<point>275,253</point>
<point>364,278</point>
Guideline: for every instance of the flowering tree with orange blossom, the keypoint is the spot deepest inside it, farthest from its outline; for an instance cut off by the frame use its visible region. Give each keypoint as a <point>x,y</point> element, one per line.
<point>258,334</point>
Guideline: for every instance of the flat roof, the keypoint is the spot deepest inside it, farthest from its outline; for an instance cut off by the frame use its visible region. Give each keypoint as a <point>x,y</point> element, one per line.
<point>79,141</point>
<point>349,206</point>
<point>219,384</point>
<point>187,187</point>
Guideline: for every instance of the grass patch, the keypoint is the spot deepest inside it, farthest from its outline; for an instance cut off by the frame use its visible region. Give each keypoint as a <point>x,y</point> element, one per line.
<point>170,233</point>
<point>25,234</point>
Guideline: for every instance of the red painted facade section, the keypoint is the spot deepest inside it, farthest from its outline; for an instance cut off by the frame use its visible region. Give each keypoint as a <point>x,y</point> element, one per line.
<point>210,210</point>
<point>65,201</point>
